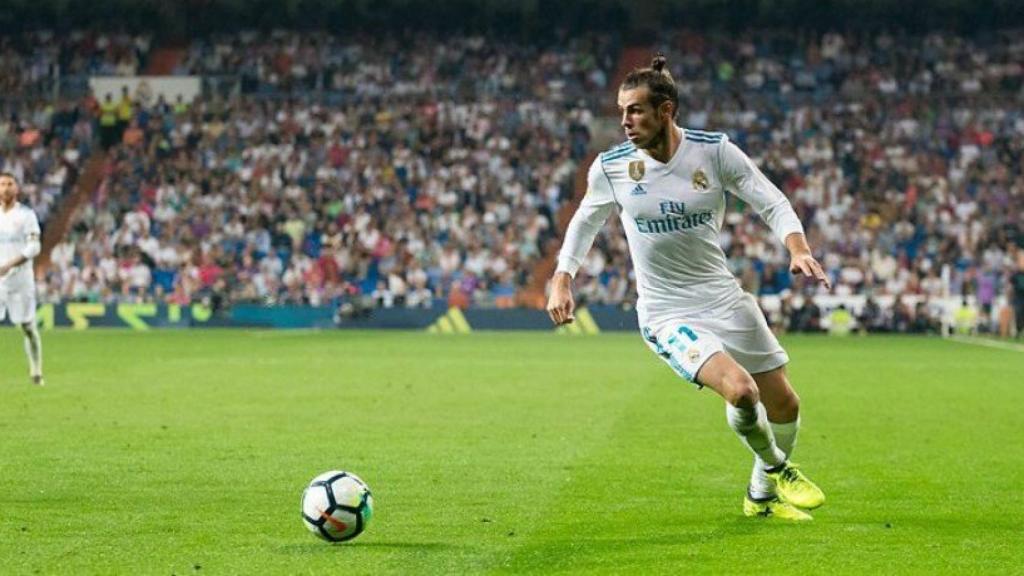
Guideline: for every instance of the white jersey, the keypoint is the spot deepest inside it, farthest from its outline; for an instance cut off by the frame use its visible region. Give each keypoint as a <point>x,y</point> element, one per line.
<point>672,214</point>
<point>19,236</point>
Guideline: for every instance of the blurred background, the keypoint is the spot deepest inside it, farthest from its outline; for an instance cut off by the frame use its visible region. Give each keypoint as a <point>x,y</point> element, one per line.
<point>357,163</point>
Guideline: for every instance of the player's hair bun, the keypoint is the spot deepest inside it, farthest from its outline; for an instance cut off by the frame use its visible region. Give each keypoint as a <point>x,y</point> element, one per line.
<point>658,62</point>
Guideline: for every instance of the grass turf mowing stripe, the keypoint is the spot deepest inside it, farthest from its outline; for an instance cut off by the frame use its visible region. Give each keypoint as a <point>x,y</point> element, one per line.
<point>165,450</point>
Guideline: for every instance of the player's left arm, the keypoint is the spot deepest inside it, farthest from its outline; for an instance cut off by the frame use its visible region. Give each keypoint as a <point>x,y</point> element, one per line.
<point>31,250</point>
<point>742,177</point>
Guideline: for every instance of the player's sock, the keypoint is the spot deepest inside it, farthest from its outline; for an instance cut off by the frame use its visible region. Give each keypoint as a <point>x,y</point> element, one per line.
<point>785,435</point>
<point>34,351</point>
<point>751,424</point>
<point>785,438</point>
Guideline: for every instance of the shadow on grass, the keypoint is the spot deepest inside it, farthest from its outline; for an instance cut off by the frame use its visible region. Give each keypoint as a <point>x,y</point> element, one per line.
<point>355,545</point>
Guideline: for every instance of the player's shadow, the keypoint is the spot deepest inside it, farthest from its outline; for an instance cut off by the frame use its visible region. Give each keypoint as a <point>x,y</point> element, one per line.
<point>315,546</point>
<point>403,545</point>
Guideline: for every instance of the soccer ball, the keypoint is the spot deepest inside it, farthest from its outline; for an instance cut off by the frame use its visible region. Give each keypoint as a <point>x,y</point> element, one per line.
<point>336,506</point>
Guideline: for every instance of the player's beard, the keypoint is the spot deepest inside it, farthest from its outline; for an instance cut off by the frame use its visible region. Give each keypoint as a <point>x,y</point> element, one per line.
<point>657,139</point>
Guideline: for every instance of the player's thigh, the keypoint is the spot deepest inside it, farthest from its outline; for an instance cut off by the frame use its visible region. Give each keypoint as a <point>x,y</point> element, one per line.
<point>777,394</point>
<point>746,337</point>
<point>697,355</point>
<point>683,346</point>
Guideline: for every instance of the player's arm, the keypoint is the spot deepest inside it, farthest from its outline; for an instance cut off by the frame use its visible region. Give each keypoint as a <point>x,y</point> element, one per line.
<point>742,177</point>
<point>597,205</point>
<point>31,250</point>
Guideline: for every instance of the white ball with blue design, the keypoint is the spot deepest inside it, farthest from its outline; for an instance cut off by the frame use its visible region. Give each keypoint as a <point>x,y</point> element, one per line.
<point>337,506</point>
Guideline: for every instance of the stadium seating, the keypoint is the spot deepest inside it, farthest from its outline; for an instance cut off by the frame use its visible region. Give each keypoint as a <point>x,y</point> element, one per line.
<point>327,168</point>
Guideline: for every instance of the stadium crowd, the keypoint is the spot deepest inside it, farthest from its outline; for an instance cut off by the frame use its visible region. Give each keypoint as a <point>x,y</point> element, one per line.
<point>44,136</point>
<point>346,168</point>
<point>406,179</point>
<point>37,62</point>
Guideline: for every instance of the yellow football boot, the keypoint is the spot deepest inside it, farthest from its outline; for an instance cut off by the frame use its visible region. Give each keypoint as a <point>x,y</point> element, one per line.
<point>794,488</point>
<point>773,508</point>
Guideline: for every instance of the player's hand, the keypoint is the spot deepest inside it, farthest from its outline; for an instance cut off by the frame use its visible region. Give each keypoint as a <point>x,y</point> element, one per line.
<point>4,269</point>
<point>560,303</point>
<point>806,264</point>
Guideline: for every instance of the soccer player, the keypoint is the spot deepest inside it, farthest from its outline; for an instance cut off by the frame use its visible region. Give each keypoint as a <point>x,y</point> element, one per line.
<point>19,244</point>
<point>668,185</point>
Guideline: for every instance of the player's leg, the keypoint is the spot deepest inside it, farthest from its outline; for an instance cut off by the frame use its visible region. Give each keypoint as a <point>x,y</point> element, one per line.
<point>748,416</point>
<point>791,484</point>
<point>698,356</point>
<point>783,407</point>
<point>34,351</point>
<point>22,308</point>
<point>747,338</point>
<point>744,411</point>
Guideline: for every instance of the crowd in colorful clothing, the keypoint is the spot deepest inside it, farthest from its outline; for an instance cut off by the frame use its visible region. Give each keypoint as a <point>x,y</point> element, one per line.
<point>413,169</point>
<point>405,179</point>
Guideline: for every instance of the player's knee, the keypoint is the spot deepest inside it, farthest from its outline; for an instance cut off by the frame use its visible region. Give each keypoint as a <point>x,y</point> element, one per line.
<point>27,328</point>
<point>741,390</point>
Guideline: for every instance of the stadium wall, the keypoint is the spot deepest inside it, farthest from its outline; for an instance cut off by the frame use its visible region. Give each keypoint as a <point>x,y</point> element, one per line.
<point>147,88</point>
<point>85,316</point>
<point>441,319</point>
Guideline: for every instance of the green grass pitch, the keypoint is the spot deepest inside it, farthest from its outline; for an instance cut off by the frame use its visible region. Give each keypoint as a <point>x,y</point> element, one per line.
<point>186,453</point>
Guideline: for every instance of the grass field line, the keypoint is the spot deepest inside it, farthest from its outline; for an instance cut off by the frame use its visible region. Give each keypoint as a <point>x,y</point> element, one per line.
<point>988,343</point>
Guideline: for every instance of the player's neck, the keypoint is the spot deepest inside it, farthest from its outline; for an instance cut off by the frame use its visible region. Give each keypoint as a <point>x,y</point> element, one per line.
<point>665,147</point>
<point>8,206</point>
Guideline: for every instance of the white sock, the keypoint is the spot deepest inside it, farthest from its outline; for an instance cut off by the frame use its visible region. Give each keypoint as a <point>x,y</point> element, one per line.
<point>785,435</point>
<point>34,351</point>
<point>785,439</point>
<point>751,424</point>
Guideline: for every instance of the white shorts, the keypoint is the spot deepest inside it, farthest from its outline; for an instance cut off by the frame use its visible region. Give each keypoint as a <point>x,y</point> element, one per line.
<point>20,305</point>
<point>685,344</point>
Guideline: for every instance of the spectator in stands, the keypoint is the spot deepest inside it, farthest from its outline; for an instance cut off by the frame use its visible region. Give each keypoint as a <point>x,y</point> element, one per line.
<point>108,122</point>
<point>125,111</point>
<point>807,317</point>
<point>841,322</point>
<point>1017,295</point>
<point>902,318</point>
<point>924,322</point>
<point>871,318</point>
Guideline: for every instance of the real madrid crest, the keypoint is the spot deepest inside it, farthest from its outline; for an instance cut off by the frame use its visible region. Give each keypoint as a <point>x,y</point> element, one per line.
<point>700,180</point>
<point>692,354</point>
<point>636,170</point>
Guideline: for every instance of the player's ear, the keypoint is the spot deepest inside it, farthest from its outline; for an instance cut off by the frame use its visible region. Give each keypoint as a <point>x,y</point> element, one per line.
<point>665,110</point>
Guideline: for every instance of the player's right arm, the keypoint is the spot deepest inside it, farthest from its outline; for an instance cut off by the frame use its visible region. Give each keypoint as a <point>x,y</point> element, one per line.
<point>597,205</point>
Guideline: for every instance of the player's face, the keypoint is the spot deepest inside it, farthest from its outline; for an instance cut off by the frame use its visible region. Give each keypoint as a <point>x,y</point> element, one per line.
<point>643,123</point>
<point>8,189</point>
